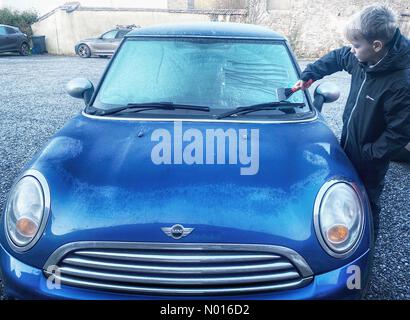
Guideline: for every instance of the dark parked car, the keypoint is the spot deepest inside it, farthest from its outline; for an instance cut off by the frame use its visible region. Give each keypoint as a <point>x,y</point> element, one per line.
<point>104,45</point>
<point>13,40</point>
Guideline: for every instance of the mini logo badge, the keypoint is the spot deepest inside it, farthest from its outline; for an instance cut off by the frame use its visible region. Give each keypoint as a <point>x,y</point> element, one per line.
<point>177,231</point>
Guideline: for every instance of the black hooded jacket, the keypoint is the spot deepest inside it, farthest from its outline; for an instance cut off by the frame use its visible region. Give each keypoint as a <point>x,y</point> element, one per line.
<point>376,119</point>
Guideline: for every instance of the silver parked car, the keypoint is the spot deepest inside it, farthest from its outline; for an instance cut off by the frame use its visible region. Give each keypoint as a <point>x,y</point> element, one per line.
<point>104,45</point>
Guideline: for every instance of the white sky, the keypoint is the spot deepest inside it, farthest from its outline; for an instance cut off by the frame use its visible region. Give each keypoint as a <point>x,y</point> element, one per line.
<point>44,6</point>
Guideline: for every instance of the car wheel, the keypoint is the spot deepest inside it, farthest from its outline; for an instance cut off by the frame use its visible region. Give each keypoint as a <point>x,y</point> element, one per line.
<point>84,51</point>
<point>24,49</point>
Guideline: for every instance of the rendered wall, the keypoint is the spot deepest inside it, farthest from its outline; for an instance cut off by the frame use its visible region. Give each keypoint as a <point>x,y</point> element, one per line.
<point>63,30</point>
<point>44,6</point>
<point>312,27</point>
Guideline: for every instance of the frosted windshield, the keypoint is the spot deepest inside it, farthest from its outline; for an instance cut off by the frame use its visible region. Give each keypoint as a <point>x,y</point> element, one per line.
<point>221,74</point>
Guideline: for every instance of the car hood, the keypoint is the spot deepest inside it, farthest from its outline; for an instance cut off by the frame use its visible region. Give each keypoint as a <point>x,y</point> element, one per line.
<point>105,186</point>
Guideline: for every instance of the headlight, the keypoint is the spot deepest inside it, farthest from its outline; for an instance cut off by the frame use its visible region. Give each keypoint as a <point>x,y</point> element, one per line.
<point>27,210</point>
<point>339,218</point>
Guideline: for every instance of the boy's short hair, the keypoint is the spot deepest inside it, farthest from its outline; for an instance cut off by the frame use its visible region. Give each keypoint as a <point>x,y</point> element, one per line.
<point>376,22</point>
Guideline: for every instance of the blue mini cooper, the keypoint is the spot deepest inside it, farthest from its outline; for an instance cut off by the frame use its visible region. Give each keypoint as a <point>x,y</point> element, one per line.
<point>186,177</point>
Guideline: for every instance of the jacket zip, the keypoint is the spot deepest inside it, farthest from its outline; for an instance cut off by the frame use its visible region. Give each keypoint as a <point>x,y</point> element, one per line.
<point>354,108</point>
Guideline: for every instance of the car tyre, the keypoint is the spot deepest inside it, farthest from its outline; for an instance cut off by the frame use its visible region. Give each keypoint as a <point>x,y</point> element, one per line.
<point>24,49</point>
<point>84,51</point>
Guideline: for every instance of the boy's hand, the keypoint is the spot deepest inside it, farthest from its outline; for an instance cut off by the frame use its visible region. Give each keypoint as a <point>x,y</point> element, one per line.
<point>302,85</point>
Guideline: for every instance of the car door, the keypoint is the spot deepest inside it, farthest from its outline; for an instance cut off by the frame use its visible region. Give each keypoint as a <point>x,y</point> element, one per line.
<point>5,40</point>
<point>107,42</point>
<point>14,38</point>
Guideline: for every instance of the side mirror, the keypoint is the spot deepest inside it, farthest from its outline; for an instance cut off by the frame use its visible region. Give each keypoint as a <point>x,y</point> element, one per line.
<point>325,93</point>
<point>80,88</point>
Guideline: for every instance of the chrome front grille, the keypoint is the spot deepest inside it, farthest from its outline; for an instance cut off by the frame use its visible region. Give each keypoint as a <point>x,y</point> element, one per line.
<point>178,269</point>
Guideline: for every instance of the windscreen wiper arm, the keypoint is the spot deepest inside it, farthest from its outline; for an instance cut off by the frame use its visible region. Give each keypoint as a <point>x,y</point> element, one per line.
<point>261,106</point>
<point>152,106</point>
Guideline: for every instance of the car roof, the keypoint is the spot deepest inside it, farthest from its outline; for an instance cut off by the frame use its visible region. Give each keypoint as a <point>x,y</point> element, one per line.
<point>6,25</point>
<point>208,29</point>
<point>118,29</point>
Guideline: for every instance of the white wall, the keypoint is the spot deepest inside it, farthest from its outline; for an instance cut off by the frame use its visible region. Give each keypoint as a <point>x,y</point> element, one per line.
<point>44,6</point>
<point>63,30</point>
<point>41,7</point>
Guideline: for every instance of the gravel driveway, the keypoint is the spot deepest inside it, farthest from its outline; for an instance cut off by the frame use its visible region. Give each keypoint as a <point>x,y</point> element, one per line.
<point>34,105</point>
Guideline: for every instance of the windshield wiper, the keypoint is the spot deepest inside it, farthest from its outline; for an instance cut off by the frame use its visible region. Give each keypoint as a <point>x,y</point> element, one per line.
<point>261,106</point>
<point>152,106</point>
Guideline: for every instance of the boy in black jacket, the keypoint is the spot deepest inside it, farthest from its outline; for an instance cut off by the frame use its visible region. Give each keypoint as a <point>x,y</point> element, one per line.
<point>376,119</point>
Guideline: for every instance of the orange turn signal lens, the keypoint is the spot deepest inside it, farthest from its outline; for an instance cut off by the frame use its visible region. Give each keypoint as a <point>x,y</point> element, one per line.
<point>337,234</point>
<point>26,227</point>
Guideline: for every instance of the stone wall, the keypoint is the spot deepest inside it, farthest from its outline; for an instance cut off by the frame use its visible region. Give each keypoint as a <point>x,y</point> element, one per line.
<point>315,27</point>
